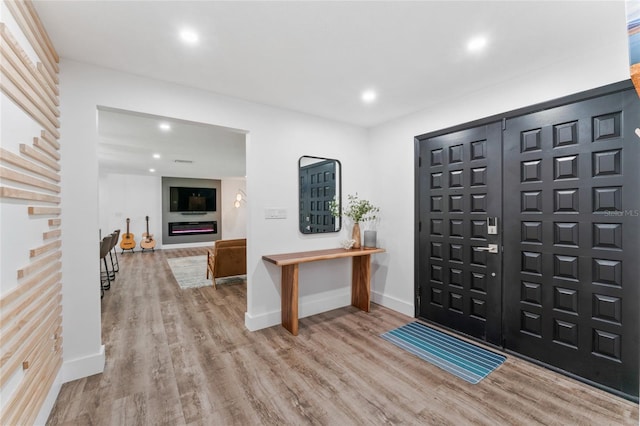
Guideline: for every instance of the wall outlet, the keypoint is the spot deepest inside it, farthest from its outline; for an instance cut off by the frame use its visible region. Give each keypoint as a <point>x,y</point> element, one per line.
<point>275,213</point>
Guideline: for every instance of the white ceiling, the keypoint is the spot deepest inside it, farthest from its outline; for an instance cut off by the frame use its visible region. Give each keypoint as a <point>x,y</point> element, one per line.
<point>317,57</point>
<point>128,141</point>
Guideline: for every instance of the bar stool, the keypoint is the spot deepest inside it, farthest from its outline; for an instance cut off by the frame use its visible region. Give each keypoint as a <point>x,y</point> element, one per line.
<point>106,276</point>
<point>113,253</point>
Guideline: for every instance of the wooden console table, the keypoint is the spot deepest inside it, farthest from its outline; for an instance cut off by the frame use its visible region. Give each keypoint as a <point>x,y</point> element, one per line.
<point>360,278</point>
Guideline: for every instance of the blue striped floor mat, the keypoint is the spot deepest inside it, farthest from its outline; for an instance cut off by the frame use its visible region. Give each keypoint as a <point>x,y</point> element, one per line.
<point>467,361</point>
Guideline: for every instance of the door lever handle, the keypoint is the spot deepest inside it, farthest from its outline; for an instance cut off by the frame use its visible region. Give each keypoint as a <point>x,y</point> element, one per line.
<point>492,248</point>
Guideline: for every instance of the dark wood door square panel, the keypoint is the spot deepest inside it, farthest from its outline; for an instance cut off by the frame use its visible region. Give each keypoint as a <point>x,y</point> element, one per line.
<point>565,167</point>
<point>531,323</point>
<point>565,134</point>
<point>436,203</point>
<point>566,234</point>
<point>437,158</point>
<point>531,232</point>
<point>608,272</point>
<point>456,178</point>
<point>607,163</point>
<point>478,150</point>
<point>456,154</point>
<point>607,199</point>
<point>607,308</point>
<point>531,171</point>
<point>565,267</point>
<point>607,126</point>
<point>532,262</point>
<point>565,333</point>
<point>531,293</point>
<point>436,180</point>
<point>531,140</point>
<point>531,201</point>
<point>607,344</point>
<point>479,176</point>
<point>607,235</point>
<point>565,299</point>
<point>566,201</point>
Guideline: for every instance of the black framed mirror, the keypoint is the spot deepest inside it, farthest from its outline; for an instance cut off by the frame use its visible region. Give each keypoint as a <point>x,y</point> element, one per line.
<point>319,181</point>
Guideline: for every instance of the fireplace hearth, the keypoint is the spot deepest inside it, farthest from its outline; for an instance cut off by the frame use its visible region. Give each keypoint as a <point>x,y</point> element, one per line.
<point>193,228</point>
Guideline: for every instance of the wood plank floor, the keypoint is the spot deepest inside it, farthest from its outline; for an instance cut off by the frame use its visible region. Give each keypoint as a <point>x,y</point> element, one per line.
<point>184,357</point>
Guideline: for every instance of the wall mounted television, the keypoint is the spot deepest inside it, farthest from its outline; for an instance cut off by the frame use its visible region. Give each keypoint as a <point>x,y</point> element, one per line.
<point>184,199</point>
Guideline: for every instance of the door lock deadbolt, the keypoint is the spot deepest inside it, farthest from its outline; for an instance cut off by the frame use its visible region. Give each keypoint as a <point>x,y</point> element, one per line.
<point>492,226</point>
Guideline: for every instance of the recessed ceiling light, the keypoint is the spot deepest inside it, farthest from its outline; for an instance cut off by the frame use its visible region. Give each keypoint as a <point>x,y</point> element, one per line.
<point>165,127</point>
<point>152,170</point>
<point>368,96</point>
<point>189,36</point>
<point>156,156</point>
<point>476,44</point>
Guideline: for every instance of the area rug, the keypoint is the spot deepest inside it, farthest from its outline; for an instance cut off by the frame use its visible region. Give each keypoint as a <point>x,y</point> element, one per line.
<point>465,360</point>
<point>191,272</point>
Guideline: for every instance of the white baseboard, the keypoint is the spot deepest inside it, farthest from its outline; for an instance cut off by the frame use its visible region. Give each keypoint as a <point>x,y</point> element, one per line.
<point>336,299</point>
<point>393,303</point>
<point>83,367</point>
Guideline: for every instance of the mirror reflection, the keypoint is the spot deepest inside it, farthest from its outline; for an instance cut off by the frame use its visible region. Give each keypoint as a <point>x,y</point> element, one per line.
<point>319,180</point>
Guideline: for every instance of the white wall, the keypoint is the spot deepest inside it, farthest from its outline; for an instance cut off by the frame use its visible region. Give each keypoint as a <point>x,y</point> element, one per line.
<point>276,139</point>
<point>134,197</point>
<point>391,147</point>
<point>234,220</point>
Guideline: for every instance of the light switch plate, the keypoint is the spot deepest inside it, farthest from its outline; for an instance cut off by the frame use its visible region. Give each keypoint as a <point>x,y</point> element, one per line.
<point>275,213</point>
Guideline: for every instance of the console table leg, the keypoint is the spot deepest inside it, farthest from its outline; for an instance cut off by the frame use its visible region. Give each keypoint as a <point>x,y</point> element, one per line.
<point>289,295</point>
<point>361,282</point>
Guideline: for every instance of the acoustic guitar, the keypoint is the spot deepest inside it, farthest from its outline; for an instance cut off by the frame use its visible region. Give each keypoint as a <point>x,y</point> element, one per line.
<point>147,242</point>
<point>127,242</point>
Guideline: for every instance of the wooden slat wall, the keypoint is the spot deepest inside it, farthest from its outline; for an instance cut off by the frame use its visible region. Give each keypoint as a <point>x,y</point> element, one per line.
<point>31,312</point>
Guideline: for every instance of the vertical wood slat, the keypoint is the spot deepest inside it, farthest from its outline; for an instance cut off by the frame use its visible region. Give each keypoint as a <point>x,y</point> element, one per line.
<point>17,292</point>
<point>46,148</point>
<point>15,317</point>
<point>14,176</point>
<point>21,194</point>
<point>45,248</point>
<point>31,312</point>
<point>17,408</point>
<point>20,62</point>
<point>45,211</point>
<point>38,264</point>
<point>51,234</point>
<point>44,135</point>
<point>15,160</point>
<point>42,390</point>
<point>32,153</point>
<point>23,22</point>
<point>42,31</point>
<point>18,96</point>
<point>30,413</point>
<point>13,356</point>
<point>49,85</point>
<point>43,343</point>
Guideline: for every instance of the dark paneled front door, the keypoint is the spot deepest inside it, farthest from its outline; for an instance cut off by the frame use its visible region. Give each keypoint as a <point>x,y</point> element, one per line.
<point>563,287</point>
<point>460,190</point>
<point>572,217</point>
